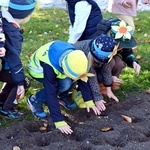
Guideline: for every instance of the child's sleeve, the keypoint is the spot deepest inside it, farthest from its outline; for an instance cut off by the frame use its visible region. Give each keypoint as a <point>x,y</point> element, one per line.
<point>145,1</point>
<point>128,56</point>
<point>2,36</point>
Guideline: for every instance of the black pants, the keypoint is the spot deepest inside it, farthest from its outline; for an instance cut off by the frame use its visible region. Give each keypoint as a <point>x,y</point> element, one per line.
<point>9,91</point>
<point>8,95</point>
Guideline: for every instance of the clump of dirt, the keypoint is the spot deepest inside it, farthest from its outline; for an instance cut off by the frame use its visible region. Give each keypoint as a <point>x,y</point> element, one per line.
<point>110,131</point>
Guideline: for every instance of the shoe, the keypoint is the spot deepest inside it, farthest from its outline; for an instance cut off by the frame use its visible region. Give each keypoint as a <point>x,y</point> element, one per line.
<point>11,114</point>
<point>67,102</point>
<point>36,107</point>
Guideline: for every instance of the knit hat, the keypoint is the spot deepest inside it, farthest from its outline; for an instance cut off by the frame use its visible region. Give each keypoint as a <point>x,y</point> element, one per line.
<point>75,65</point>
<point>104,48</point>
<point>21,9</point>
<point>123,34</point>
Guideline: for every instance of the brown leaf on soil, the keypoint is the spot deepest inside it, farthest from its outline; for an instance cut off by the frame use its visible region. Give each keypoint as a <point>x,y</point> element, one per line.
<point>148,91</point>
<point>126,118</point>
<point>106,129</point>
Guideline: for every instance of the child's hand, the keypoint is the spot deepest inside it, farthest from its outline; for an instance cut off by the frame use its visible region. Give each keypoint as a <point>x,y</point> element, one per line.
<point>127,4</point>
<point>136,67</point>
<point>20,92</point>
<point>145,1</point>
<point>110,94</point>
<point>90,104</point>
<point>66,129</point>
<point>95,109</point>
<point>2,51</point>
<point>116,79</point>
<point>100,105</point>
<point>63,127</point>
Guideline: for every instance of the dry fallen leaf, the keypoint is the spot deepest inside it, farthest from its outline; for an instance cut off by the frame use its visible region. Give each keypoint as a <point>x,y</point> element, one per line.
<point>106,129</point>
<point>126,118</point>
<point>138,56</point>
<point>42,128</point>
<point>136,19</point>
<point>16,148</point>
<point>148,91</point>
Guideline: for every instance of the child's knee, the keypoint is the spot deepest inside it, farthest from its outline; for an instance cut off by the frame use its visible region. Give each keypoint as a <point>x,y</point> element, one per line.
<point>120,65</point>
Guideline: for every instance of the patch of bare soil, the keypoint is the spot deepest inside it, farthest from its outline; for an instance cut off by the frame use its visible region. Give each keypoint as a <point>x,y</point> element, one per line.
<point>107,132</point>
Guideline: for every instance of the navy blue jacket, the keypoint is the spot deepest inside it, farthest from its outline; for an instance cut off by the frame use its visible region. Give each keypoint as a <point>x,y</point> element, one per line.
<point>13,46</point>
<point>50,88</point>
<point>94,17</point>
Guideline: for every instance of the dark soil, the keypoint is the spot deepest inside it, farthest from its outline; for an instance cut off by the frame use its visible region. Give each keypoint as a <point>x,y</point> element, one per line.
<point>87,128</point>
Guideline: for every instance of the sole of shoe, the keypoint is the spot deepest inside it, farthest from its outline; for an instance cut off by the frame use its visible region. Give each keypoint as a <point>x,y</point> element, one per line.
<point>61,103</point>
<point>31,107</point>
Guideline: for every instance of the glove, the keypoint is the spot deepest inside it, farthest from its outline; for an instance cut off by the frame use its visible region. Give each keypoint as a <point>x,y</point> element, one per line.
<point>90,103</point>
<point>60,124</point>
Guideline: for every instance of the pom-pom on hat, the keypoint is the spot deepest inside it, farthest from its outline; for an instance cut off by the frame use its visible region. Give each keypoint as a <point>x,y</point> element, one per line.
<point>123,34</point>
<point>21,9</point>
<point>75,65</point>
<point>104,48</point>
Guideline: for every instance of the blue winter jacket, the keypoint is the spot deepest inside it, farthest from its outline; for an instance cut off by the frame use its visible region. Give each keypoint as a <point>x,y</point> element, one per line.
<point>13,46</point>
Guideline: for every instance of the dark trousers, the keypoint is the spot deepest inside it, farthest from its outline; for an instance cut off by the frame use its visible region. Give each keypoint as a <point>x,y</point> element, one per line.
<point>9,90</point>
<point>117,66</point>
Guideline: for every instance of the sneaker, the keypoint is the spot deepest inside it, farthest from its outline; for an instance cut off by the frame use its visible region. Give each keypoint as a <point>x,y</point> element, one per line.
<point>11,114</point>
<point>35,107</point>
<point>67,102</point>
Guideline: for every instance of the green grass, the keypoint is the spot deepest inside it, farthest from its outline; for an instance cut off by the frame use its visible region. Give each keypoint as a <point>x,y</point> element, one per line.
<point>51,24</point>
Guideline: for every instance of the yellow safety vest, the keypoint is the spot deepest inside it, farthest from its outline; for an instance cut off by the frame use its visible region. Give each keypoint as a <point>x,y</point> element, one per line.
<point>34,67</point>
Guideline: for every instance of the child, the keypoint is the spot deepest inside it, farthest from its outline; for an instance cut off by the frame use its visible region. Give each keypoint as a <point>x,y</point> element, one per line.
<point>12,73</point>
<point>125,55</point>
<point>84,17</point>
<point>57,65</point>
<point>100,51</point>
<point>125,9</point>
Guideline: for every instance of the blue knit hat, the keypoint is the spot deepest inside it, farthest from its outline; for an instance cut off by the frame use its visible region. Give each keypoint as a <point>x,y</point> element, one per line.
<point>103,48</point>
<point>21,9</point>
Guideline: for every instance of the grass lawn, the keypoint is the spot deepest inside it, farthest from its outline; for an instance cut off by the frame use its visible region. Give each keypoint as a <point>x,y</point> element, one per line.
<point>51,24</point>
